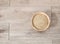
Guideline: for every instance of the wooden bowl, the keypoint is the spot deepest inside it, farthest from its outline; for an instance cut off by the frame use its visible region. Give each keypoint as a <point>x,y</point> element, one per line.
<point>40,21</point>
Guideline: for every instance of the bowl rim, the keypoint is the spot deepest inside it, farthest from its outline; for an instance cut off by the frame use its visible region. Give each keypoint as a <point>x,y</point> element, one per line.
<point>36,13</point>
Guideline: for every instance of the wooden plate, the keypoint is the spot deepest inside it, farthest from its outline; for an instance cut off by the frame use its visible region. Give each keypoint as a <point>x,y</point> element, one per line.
<point>40,21</point>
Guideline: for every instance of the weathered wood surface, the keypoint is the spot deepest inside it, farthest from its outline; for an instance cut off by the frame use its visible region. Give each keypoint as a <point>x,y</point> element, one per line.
<point>15,22</point>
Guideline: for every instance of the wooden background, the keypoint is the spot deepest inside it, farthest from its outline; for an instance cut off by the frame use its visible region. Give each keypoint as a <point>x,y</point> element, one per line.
<point>15,22</point>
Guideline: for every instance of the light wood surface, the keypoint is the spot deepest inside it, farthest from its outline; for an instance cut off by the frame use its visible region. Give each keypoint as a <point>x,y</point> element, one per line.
<point>15,22</point>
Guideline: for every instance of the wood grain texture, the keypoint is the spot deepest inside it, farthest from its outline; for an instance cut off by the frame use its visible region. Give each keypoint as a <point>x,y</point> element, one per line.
<point>15,18</point>
<point>4,3</point>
